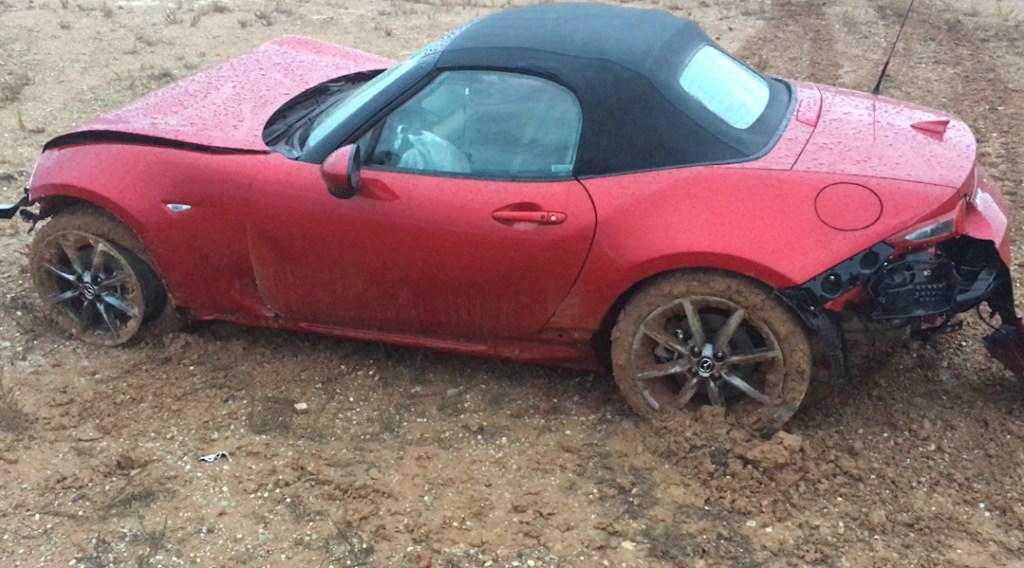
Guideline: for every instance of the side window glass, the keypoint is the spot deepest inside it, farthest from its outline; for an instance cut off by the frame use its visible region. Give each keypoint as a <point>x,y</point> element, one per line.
<point>484,124</point>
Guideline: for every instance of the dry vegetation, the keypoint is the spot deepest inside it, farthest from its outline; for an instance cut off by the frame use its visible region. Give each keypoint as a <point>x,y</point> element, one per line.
<point>12,415</point>
<point>412,458</point>
<point>12,85</point>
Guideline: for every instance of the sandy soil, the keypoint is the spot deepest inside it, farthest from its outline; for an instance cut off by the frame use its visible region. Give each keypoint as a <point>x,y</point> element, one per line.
<point>412,458</point>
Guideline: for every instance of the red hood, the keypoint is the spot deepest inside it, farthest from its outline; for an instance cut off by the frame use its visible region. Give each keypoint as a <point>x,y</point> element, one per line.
<point>864,135</point>
<point>228,105</point>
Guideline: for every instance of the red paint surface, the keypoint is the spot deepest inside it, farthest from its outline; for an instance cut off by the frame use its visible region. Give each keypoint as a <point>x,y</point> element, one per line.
<point>861,135</point>
<point>987,216</point>
<point>430,260</point>
<point>228,105</point>
<point>809,104</point>
<point>848,206</point>
<point>423,261</point>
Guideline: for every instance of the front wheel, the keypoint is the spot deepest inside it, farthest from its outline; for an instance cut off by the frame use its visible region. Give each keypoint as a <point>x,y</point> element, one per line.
<point>92,285</point>
<point>706,337</point>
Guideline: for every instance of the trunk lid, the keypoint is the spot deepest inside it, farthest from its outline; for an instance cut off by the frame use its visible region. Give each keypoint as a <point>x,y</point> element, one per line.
<point>864,135</point>
<point>227,106</point>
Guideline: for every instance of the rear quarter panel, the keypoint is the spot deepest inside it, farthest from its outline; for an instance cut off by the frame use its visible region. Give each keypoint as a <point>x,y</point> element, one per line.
<point>201,253</point>
<point>761,223</point>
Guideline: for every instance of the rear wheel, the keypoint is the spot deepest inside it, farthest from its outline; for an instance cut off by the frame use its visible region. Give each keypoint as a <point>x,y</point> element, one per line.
<point>705,337</point>
<point>89,280</point>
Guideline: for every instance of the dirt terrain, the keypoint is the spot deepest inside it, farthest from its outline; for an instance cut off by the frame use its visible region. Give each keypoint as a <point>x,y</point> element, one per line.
<point>412,458</point>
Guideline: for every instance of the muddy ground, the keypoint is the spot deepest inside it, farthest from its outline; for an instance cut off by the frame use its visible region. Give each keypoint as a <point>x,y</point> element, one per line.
<point>413,458</point>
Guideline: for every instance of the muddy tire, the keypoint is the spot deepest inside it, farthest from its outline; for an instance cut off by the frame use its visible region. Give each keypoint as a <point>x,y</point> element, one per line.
<point>91,274</point>
<point>749,353</point>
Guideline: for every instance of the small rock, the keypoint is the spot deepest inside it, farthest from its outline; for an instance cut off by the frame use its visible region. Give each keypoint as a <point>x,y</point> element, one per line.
<point>9,459</point>
<point>250,487</point>
<point>125,462</point>
<point>89,436</point>
<point>63,400</point>
<point>877,518</point>
<point>455,391</point>
<point>301,408</point>
<point>426,559</point>
<point>628,545</point>
<point>791,442</point>
<point>767,456</point>
<point>739,435</point>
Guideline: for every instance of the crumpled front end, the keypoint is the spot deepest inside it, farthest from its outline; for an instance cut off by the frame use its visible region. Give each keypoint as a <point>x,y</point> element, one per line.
<point>989,222</point>
<point>924,277</point>
<point>227,106</point>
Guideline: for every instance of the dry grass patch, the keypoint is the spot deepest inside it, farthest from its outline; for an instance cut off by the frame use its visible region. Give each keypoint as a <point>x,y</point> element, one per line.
<point>12,84</point>
<point>12,416</point>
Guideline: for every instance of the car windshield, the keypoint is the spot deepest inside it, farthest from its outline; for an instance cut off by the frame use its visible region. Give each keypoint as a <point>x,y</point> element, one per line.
<point>344,108</point>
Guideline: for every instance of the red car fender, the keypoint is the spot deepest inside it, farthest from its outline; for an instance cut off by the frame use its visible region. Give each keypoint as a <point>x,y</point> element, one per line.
<point>136,183</point>
<point>987,215</point>
<point>45,192</point>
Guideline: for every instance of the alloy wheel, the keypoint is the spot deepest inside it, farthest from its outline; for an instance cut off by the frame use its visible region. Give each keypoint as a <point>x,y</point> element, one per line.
<point>707,347</point>
<point>90,287</point>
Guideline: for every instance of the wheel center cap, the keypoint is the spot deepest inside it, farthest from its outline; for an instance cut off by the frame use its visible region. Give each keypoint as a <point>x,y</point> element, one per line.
<point>706,365</point>
<point>89,291</point>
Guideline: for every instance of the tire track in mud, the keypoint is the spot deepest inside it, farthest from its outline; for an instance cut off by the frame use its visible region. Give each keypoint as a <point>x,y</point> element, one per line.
<point>795,41</point>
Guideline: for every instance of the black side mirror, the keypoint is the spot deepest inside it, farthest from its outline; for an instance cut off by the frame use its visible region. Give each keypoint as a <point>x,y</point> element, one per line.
<point>340,171</point>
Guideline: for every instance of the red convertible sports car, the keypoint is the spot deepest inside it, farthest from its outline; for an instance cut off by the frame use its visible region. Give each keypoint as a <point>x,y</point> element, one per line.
<point>570,184</point>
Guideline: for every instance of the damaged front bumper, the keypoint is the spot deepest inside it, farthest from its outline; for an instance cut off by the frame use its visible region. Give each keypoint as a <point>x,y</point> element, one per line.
<point>924,287</point>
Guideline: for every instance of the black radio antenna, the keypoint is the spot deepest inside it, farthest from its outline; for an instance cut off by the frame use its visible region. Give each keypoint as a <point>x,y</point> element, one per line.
<point>878,85</point>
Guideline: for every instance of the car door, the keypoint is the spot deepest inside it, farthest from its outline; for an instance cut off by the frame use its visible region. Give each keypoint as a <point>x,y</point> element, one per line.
<point>468,222</point>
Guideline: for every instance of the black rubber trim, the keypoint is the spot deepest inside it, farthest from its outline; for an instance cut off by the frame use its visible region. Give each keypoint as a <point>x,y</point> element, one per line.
<point>115,137</point>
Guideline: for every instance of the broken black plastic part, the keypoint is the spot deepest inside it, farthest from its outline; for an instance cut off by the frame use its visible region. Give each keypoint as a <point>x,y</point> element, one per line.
<point>926,334</point>
<point>826,323</point>
<point>30,217</point>
<point>9,210</point>
<point>977,293</point>
<point>809,299</point>
<point>848,274</point>
<point>957,276</point>
<point>915,286</point>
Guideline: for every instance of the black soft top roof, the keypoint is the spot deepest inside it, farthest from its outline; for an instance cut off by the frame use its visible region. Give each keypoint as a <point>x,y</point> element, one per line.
<point>623,64</point>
